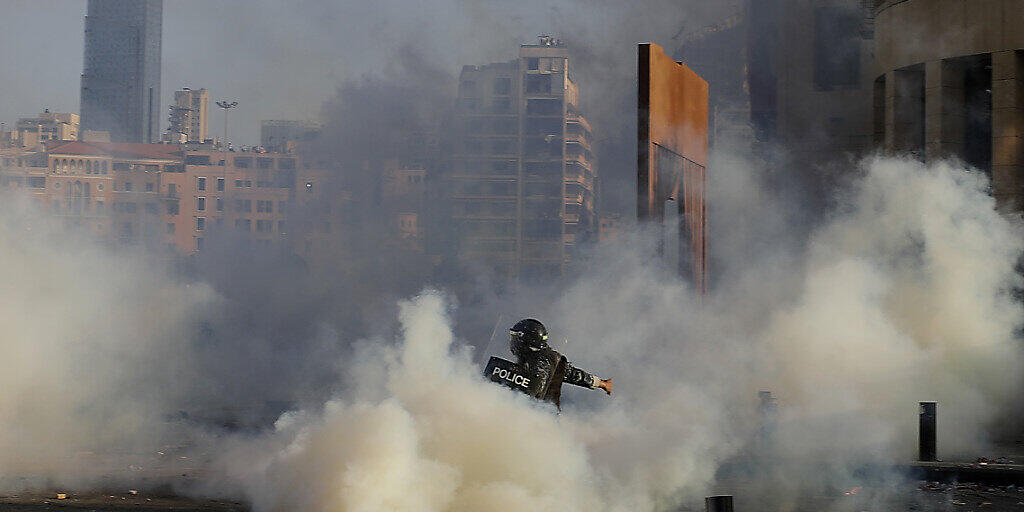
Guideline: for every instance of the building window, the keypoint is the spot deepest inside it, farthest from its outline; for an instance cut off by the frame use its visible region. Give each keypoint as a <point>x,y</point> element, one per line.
<point>286,163</point>
<point>200,183</point>
<point>280,226</point>
<point>220,184</point>
<point>501,105</point>
<point>264,206</point>
<point>243,162</point>
<point>540,84</point>
<point>533,63</point>
<point>200,223</point>
<point>201,204</point>
<point>199,243</point>
<point>151,208</point>
<point>127,186</point>
<point>129,207</point>
<point>544,107</point>
<point>170,228</point>
<point>197,160</point>
<point>265,163</point>
<point>99,206</point>
<point>172,207</point>
<point>238,183</point>
<point>220,204</point>
<point>502,85</point>
<point>243,225</point>
<point>149,186</point>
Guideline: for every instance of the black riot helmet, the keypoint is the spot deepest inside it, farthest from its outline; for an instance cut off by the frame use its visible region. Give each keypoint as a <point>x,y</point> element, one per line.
<point>527,335</point>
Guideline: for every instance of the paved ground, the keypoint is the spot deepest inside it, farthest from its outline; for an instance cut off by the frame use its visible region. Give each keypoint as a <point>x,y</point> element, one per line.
<point>908,495</point>
<point>39,502</point>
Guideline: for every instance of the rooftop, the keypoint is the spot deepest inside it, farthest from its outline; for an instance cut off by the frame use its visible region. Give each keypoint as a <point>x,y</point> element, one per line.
<point>117,149</point>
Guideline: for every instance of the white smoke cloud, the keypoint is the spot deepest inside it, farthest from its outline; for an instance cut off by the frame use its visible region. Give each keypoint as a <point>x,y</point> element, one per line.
<point>902,295</point>
<point>95,348</point>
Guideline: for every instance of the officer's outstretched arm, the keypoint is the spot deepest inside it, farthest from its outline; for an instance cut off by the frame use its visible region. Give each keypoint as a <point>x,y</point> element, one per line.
<point>579,377</point>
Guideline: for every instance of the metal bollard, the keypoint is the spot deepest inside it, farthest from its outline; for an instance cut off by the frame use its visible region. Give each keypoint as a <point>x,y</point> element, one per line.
<point>718,503</point>
<point>926,439</point>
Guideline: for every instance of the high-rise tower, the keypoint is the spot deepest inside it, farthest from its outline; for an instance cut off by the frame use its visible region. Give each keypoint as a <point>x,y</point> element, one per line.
<point>121,79</point>
<point>521,183</point>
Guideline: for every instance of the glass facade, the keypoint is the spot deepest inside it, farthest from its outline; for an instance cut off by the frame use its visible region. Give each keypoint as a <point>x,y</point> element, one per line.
<point>121,79</point>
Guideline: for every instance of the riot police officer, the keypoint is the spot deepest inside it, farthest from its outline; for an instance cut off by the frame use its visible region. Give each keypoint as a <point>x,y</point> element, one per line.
<point>549,369</point>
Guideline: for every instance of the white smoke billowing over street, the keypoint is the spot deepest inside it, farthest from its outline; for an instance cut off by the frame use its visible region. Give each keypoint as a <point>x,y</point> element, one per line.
<point>904,295</point>
<point>94,350</point>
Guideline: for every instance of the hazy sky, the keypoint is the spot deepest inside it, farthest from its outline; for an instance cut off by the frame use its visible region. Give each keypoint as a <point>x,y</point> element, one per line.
<point>282,60</point>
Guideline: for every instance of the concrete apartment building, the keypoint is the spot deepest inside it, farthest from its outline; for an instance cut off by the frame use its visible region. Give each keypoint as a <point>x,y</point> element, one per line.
<point>166,198</point>
<point>189,116</point>
<point>121,75</point>
<point>520,183</point>
<point>953,85</point>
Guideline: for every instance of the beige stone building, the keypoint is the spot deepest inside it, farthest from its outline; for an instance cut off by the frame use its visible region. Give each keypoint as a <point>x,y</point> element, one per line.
<point>189,118</point>
<point>520,183</point>
<point>949,82</point>
<point>48,126</point>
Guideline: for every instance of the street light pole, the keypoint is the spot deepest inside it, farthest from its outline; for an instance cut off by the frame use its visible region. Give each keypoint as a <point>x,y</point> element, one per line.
<point>226,105</point>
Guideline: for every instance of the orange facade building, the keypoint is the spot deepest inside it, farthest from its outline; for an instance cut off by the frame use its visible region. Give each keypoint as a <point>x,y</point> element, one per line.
<point>164,197</point>
<point>672,152</point>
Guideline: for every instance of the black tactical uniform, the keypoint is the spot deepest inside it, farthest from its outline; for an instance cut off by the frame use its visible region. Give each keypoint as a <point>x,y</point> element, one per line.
<point>548,369</point>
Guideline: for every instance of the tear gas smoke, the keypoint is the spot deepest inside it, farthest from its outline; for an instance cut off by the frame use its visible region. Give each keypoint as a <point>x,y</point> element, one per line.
<point>903,295</point>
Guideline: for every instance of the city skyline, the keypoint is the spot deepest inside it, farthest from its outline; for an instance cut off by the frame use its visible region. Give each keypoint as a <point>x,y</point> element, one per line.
<point>322,46</point>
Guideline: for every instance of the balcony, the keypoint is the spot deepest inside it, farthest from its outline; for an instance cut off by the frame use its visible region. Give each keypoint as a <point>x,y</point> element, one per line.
<point>578,138</point>
<point>573,117</point>
<point>573,198</point>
